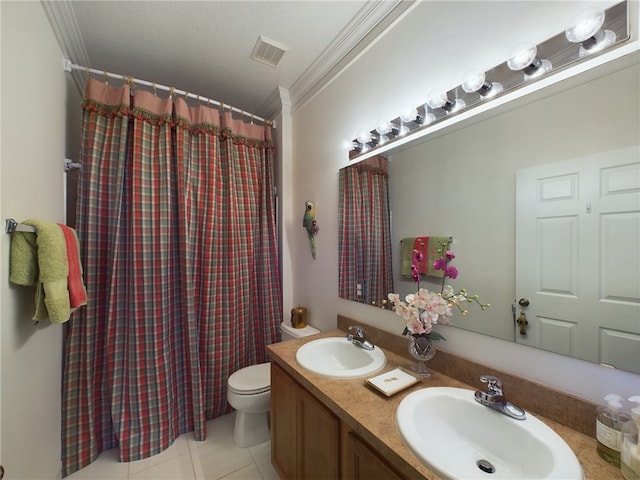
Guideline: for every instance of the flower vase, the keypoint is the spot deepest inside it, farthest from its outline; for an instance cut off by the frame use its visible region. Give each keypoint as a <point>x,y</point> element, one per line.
<point>422,348</point>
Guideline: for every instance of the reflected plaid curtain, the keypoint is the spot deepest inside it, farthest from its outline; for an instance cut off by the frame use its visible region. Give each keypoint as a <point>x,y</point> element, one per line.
<point>365,231</point>
<point>176,219</point>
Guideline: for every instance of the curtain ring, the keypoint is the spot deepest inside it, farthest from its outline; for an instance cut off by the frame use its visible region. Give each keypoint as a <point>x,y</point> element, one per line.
<point>106,77</point>
<point>172,91</point>
<point>129,81</point>
<point>155,91</point>
<point>88,72</point>
<point>251,121</point>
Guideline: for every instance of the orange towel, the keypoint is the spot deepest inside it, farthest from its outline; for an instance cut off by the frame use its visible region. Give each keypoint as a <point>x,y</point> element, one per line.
<point>75,284</point>
<point>421,244</point>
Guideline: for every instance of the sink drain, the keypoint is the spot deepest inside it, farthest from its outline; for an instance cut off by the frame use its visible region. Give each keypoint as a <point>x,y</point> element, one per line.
<point>485,466</point>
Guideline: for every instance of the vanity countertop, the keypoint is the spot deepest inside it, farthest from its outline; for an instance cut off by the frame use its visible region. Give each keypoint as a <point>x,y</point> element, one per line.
<point>372,415</point>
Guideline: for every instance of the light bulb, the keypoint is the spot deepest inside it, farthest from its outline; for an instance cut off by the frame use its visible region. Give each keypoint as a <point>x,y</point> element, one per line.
<point>522,56</point>
<point>525,58</point>
<point>473,81</point>
<point>440,99</point>
<point>437,99</point>
<point>476,82</point>
<point>585,25</point>
<point>364,137</point>
<point>409,115</point>
<point>383,128</point>
<point>586,30</point>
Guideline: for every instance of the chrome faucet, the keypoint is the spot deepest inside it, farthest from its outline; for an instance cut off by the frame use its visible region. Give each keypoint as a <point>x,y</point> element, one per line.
<point>358,338</point>
<point>494,398</point>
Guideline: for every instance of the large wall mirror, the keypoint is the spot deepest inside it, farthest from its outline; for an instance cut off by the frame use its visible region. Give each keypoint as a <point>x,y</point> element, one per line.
<point>480,184</point>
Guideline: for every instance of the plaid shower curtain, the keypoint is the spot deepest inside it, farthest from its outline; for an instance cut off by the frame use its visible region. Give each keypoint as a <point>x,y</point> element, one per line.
<point>365,231</point>
<point>176,219</point>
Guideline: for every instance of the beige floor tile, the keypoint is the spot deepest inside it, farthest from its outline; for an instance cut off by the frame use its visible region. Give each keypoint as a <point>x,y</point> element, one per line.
<point>219,431</point>
<point>213,461</point>
<point>267,471</point>
<point>262,457</point>
<point>179,447</point>
<point>176,468</point>
<point>250,472</point>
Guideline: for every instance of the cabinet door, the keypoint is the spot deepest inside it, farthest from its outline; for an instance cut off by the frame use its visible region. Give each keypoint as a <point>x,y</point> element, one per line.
<point>319,440</point>
<point>284,408</point>
<point>361,462</point>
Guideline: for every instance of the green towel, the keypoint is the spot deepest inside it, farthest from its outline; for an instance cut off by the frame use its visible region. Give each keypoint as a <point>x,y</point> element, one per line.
<point>41,259</point>
<point>406,256</point>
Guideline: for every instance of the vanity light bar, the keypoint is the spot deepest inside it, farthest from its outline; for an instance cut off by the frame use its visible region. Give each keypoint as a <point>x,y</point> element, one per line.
<point>591,33</point>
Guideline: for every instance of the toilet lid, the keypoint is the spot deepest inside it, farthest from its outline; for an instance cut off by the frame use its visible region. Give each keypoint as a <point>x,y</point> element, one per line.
<point>251,380</point>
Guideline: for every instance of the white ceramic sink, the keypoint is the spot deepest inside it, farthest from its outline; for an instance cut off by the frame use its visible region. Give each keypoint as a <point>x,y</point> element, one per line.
<point>451,433</point>
<point>339,358</point>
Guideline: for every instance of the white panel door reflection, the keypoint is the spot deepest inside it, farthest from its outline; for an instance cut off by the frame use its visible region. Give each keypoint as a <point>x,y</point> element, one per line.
<point>578,257</point>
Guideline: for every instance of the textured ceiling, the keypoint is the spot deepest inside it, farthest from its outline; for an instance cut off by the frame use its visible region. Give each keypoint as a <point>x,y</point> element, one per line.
<point>203,47</point>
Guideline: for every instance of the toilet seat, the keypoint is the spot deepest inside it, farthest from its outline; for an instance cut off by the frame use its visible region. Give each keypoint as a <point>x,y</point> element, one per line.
<point>251,380</point>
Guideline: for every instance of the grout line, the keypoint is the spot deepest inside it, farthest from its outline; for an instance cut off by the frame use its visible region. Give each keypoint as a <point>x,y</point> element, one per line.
<point>193,467</point>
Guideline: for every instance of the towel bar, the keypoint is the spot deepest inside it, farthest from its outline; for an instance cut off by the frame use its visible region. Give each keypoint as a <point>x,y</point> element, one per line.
<point>10,226</point>
<point>450,240</point>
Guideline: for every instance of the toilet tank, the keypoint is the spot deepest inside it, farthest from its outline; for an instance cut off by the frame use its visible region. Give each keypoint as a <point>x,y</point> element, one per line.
<point>289,333</point>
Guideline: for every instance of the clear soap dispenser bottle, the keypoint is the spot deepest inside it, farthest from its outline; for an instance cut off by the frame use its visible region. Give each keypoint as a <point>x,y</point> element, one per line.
<point>630,450</point>
<point>609,421</point>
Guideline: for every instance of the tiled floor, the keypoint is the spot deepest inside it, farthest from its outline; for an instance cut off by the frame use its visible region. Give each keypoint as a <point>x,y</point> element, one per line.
<point>215,458</point>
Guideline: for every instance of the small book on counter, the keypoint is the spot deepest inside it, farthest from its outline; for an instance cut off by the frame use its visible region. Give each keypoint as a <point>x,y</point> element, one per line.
<point>393,381</point>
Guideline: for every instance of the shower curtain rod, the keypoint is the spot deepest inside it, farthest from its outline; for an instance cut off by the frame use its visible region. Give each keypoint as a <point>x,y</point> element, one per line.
<point>69,66</point>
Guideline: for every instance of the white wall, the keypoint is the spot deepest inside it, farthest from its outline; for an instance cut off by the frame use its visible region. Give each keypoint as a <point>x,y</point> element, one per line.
<point>397,72</point>
<point>34,96</point>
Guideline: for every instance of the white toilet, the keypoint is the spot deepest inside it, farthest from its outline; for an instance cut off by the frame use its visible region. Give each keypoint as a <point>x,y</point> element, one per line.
<point>249,392</point>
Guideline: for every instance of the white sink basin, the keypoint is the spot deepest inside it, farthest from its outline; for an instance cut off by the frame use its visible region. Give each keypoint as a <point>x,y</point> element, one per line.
<point>339,358</point>
<point>451,433</point>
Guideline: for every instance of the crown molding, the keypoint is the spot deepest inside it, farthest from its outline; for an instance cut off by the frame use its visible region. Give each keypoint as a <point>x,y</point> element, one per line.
<point>285,100</point>
<point>64,24</point>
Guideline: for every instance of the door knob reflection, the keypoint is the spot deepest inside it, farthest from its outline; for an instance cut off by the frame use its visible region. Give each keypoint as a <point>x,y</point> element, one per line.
<point>522,323</point>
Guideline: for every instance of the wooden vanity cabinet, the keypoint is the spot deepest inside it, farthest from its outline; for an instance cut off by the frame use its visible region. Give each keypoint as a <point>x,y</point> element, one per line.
<point>308,441</point>
<point>305,435</point>
<point>361,462</point>
<point>284,423</point>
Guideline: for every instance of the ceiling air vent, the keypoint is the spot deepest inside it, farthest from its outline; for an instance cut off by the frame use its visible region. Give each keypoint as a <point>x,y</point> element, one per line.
<point>268,51</point>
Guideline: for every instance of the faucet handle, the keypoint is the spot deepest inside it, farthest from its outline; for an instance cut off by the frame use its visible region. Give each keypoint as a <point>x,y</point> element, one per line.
<point>359,331</point>
<point>494,384</point>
